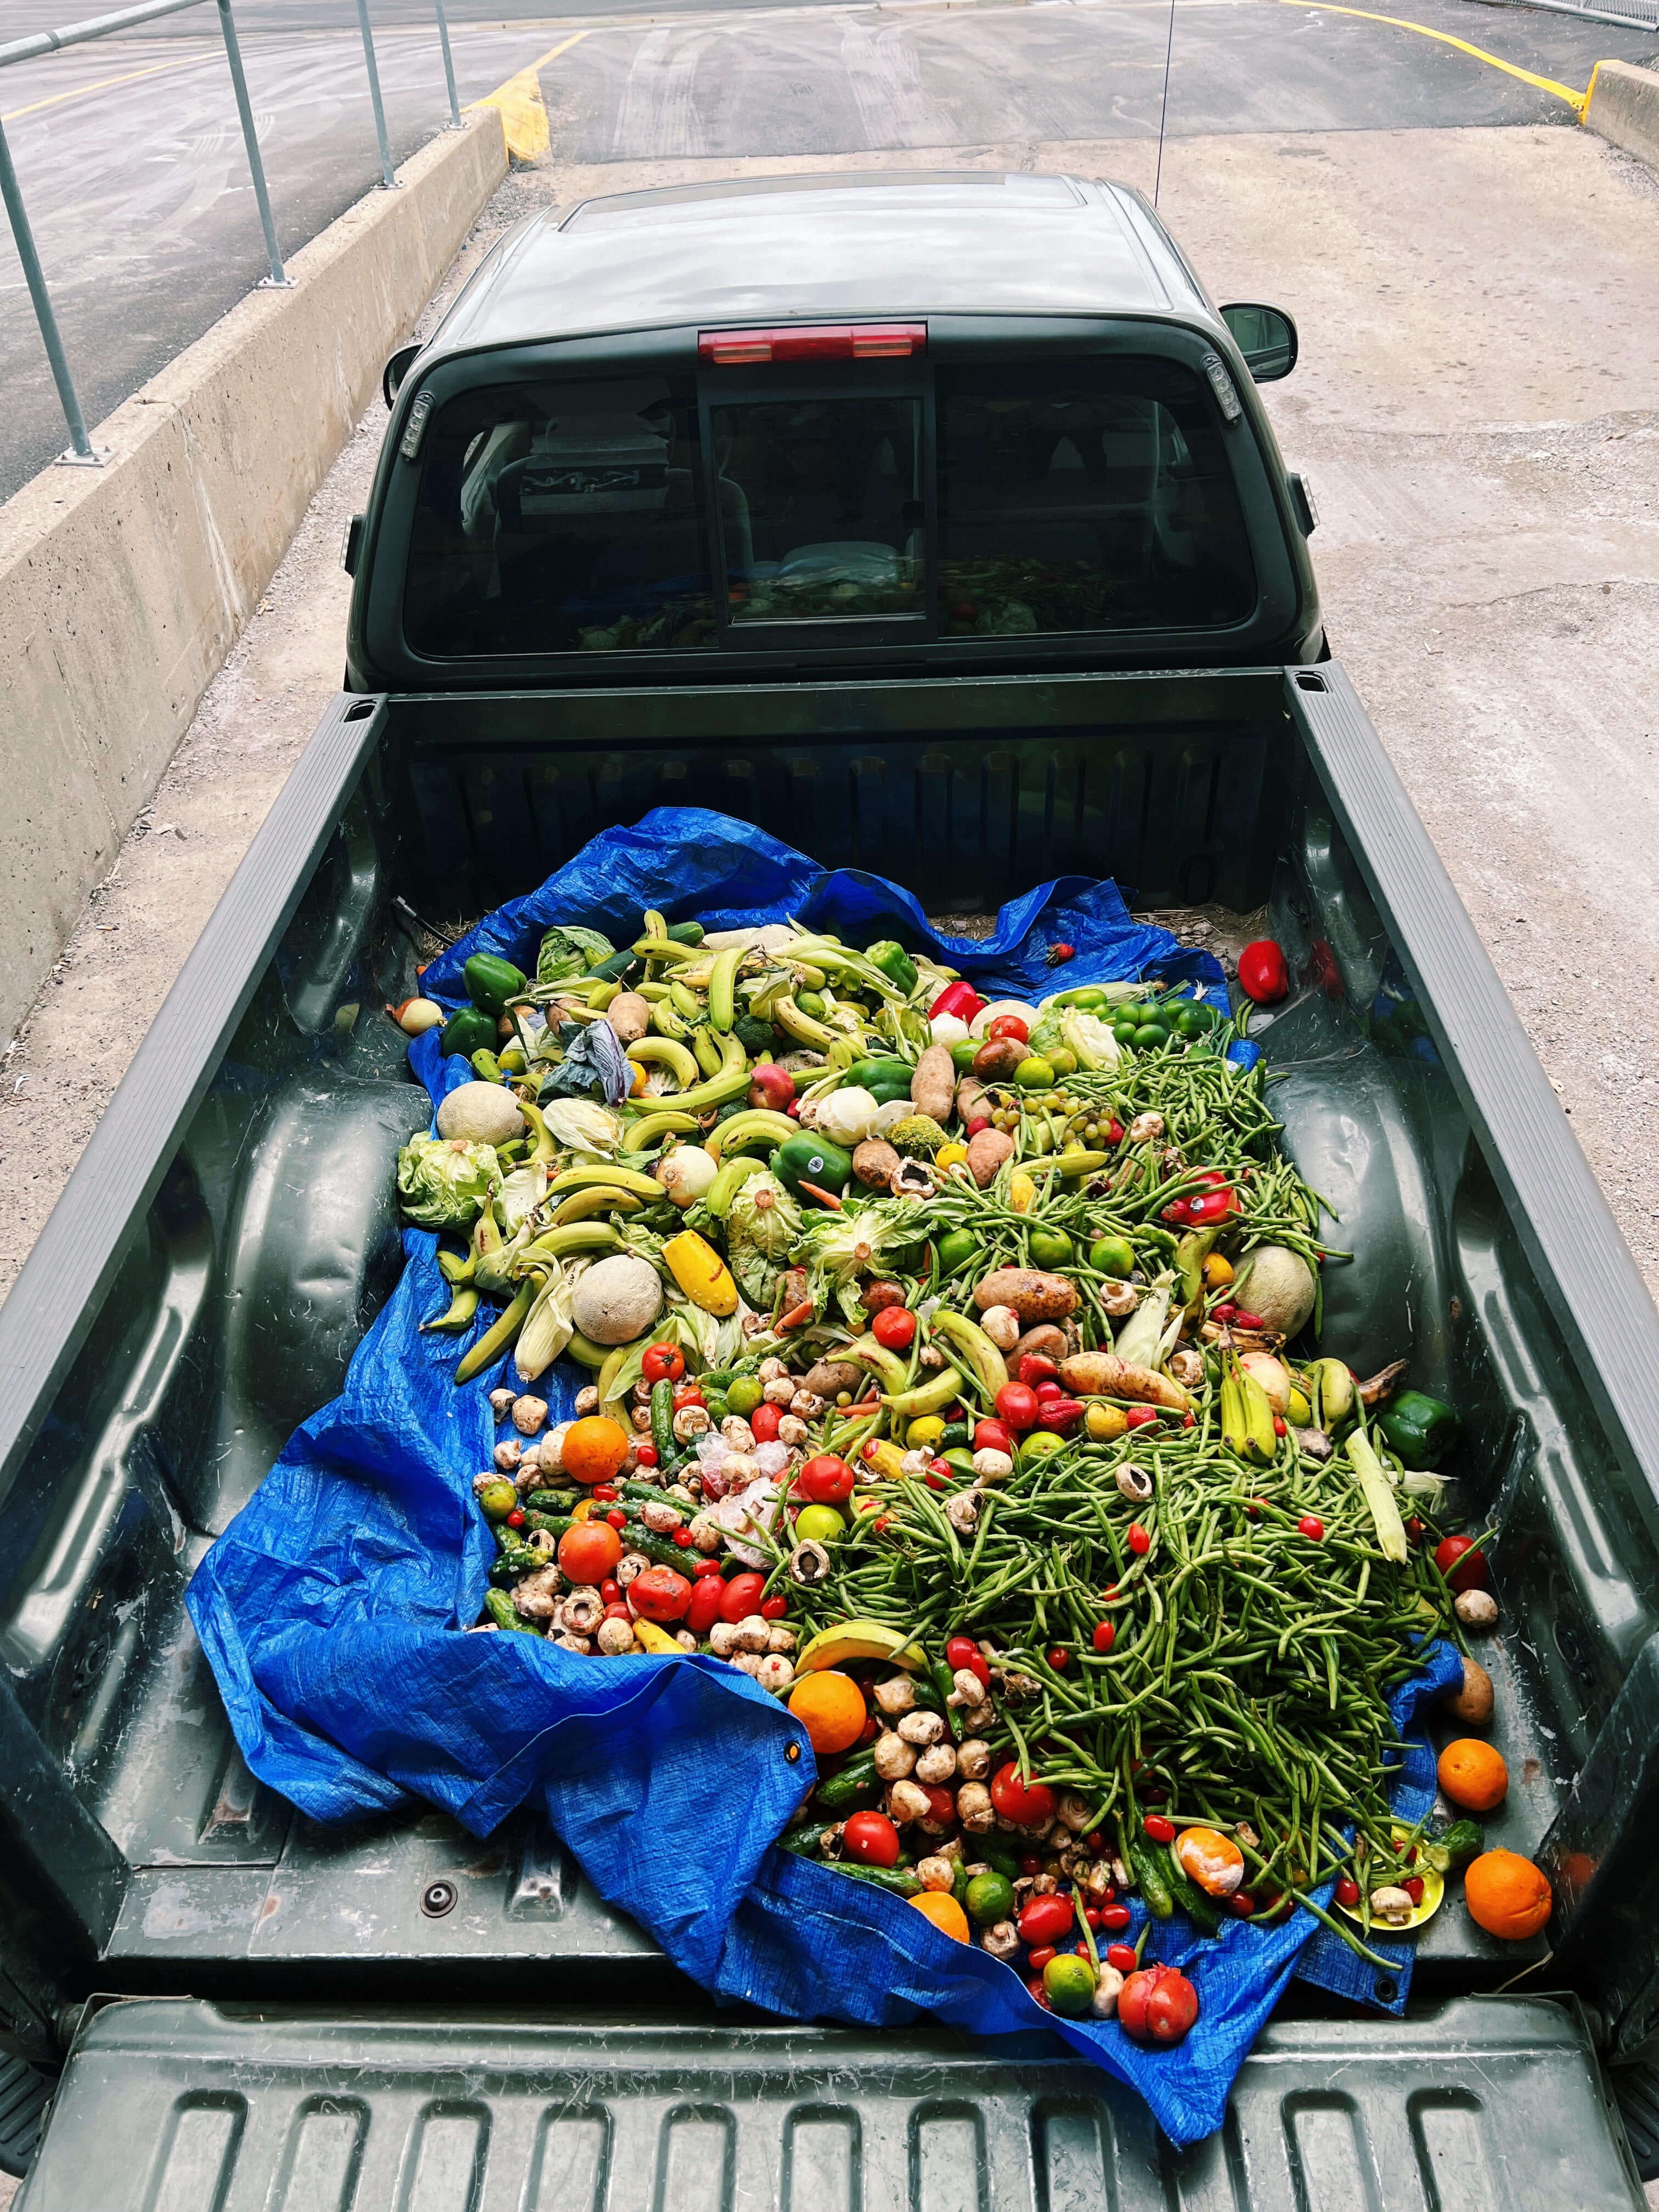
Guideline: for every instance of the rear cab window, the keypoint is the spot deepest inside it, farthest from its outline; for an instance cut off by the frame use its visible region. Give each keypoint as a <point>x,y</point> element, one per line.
<point>828,506</point>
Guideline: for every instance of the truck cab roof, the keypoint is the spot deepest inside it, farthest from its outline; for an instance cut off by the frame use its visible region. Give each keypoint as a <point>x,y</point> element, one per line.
<point>958,242</point>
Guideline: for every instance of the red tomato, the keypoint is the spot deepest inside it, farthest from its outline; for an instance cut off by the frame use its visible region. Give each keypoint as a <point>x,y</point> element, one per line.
<point>992,1436</point>
<point>1009,1025</point>
<point>871,1839</point>
<point>1017,1404</point>
<point>1045,1919</point>
<point>1034,1368</point>
<point>1347,1891</point>
<point>741,1596</point>
<point>688,1394</point>
<point>1027,1805</point>
<point>1156,2005</point>
<point>960,1651</point>
<point>1160,1830</point>
<point>893,1327</point>
<point>1262,973</point>
<point>1123,1957</point>
<point>1139,1542</point>
<point>1311,1526</point>
<point>659,1594</point>
<point>1464,1566</point>
<point>775,1609</point>
<point>1105,1634</point>
<point>663,1362</point>
<point>589,1551</point>
<point>825,1480</point>
<point>763,1422</point>
<point>702,1608</point>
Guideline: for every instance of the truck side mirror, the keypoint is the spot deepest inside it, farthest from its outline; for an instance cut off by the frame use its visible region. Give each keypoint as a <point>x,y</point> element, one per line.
<point>398,367</point>
<point>1265,336</point>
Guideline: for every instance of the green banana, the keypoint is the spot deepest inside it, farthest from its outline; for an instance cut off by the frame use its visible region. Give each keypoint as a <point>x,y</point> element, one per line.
<point>645,1135</point>
<point>667,1020</point>
<point>735,1172</point>
<point>639,1186</point>
<point>969,1341</point>
<point>707,1052</point>
<point>759,1126</point>
<point>929,1397</point>
<point>495,1341</point>
<point>722,986</point>
<point>665,1052</point>
<point>458,1315</point>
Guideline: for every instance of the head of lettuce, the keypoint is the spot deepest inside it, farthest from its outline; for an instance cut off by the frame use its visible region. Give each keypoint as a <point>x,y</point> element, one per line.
<point>443,1182</point>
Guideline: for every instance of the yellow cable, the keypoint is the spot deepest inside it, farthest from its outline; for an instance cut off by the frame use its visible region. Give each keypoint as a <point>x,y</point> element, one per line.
<point>1578,101</point>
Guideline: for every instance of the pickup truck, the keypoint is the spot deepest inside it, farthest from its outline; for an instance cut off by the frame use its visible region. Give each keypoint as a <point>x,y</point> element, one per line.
<point>934,523</point>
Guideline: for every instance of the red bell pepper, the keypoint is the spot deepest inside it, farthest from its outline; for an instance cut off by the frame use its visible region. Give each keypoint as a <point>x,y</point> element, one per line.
<point>959,999</point>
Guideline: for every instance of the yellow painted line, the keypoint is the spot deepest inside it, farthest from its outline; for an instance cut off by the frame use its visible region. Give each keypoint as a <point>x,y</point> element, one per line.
<point>103,84</point>
<point>519,102</point>
<point>1578,101</point>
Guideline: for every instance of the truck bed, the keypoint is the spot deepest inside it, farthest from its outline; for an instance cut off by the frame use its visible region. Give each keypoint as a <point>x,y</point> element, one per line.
<point>230,1235</point>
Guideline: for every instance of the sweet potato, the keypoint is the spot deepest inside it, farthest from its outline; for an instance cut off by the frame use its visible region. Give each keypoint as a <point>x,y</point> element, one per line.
<point>933,1085</point>
<point>970,1101</point>
<point>630,1016</point>
<point>1033,1295</point>
<point>1102,1374</point>
<point>1047,1338</point>
<point>986,1153</point>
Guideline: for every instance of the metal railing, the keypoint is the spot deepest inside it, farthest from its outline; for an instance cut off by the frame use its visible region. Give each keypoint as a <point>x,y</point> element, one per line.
<point>126,19</point>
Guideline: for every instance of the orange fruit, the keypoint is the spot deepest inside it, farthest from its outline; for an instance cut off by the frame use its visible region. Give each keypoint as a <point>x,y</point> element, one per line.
<point>1473,1774</point>
<point>942,1909</point>
<point>1211,1860</point>
<point>830,1708</point>
<point>593,1450</point>
<point>1506,1895</point>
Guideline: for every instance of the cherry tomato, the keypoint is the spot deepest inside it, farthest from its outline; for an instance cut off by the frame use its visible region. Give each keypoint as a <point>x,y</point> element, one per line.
<point>979,1121</point>
<point>1413,1888</point>
<point>1123,1957</point>
<point>1059,1659</point>
<point>616,1517</point>
<point>1027,1805</point>
<point>1045,1919</point>
<point>1047,1390</point>
<point>663,1362</point>
<point>871,1839</point>
<point>825,1480</point>
<point>869,1731</point>
<point>1116,1916</point>
<point>1091,1916</point>
<point>688,1394</point>
<point>992,1436</point>
<point>515,1518</point>
<point>1156,2005</point>
<point>1009,1025</point>
<point>1017,1404</point>
<point>703,1607</point>
<point>1347,1890</point>
<point>1160,1830</point>
<point>942,1802</point>
<point>1114,1131</point>
<point>609,1592</point>
<point>741,1596</point>
<point>1139,1542</point>
<point>1036,1989</point>
<point>645,1455</point>
<point>604,1493</point>
<point>1040,1958</point>
<point>1311,1526</point>
<point>681,1539</point>
<point>763,1422</point>
<point>1030,1864</point>
<point>701,1570</point>
<point>775,1609</point>
<point>1035,1368</point>
<point>620,1610</point>
<point>589,1551</point>
<point>1461,1563</point>
<point>893,1327</point>
<point>1415,1530</point>
<point>1105,1636</point>
<point>960,1651</point>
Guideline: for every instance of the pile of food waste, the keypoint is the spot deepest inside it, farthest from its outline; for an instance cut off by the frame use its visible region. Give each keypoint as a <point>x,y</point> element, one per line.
<point>946,1380</point>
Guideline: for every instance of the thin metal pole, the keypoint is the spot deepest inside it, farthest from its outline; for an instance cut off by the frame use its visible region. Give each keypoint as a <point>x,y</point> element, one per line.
<point>387,177</point>
<point>35,278</point>
<point>449,66</point>
<point>250,139</point>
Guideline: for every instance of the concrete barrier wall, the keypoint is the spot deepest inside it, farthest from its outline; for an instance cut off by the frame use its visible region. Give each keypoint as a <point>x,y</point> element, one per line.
<point>123,588</point>
<point>1624,107</point>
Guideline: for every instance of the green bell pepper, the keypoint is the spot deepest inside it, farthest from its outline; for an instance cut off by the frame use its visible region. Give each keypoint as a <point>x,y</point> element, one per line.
<point>894,962</point>
<point>1420,1429</point>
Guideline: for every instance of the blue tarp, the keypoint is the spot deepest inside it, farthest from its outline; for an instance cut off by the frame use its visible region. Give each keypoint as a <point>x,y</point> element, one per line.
<point>333,1610</point>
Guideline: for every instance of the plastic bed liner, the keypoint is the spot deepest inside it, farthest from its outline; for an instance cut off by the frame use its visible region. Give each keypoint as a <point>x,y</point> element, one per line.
<point>1484,2104</point>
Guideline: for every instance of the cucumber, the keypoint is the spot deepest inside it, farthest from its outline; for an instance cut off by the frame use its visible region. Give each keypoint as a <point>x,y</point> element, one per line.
<point>1151,1869</point>
<point>636,1537</point>
<point>685,933</point>
<point>662,1421</point>
<point>898,1881</point>
<point>551,1501</point>
<point>1200,1908</point>
<point>808,1838</point>
<point>841,1792</point>
<point>505,1614</point>
<point>549,1524</point>
<point>993,1855</point>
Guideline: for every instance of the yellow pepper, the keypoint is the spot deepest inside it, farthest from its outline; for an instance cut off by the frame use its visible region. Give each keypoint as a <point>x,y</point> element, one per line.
<point>1218,1272</point>
<point>882,1459</point>
<point>1021,1190</point>
<point>1105,1425</point>
<point>702,1273</point>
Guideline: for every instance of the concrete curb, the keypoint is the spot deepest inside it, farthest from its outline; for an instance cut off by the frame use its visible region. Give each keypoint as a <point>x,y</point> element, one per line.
<point>122,589</point>
<point>1623,105</point>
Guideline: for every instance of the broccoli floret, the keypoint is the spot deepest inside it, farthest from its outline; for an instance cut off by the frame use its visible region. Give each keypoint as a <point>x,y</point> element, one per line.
<point>917,1137</point>
<point>754,1035</point>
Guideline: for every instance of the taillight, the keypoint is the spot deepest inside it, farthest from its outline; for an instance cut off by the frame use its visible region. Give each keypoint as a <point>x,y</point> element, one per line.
<point>813,342</point>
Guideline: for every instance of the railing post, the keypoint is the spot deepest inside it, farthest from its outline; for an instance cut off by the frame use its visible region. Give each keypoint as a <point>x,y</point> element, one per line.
<point>387,176</point>
<point>33,276</point>
<point>449,66</point>
<point>250,139</point>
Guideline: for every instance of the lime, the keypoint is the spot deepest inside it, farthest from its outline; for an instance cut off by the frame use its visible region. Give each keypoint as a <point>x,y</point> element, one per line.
<point>956,1250</point>
<point>961,1054</point>
<point>960,1458</point>
<point>1050,1248</point>
<point>1113,1256</point>
<point>819,1524</point>
<point>1035,1074</point>
<point>1149,1036</point>
<point>1068,1983</point>
<point>1039,1444</point>
<point>745,1394</point>
<point>926,1430</point>
<point>1123,1030</point>
<point>990,1897</point>
<point>497,1500</point>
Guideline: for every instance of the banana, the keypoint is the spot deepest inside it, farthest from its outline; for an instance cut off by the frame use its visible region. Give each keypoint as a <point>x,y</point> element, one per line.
<point>557,1243</point>
<point>462,1307</point>
<point>546,1149</point>
<point>929,1397</point>
<point>759,1126</point>
<point>582,1204</point>
<point>707,1050</point>
<point>495,1341</point>
<point>970,1341</point>
<point>804,1030</point>
<point>733,1174</point>
<point>1262,1443</point>
<point>629,1179</point>
<point>1235,1430</point>
<point>665,1052</point>
<point>667,1020</point>
<point>685,1001</point>
<point>722,986</point>
<point>643,1135</point>
<point>454,1268</point>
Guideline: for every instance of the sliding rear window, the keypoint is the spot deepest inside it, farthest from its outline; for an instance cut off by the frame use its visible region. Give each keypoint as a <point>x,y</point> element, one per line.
<point>1086,495</point>
<point>561,518</point>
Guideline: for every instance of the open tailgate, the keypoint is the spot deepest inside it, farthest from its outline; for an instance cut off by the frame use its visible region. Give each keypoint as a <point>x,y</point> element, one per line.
<point>174,2104</point>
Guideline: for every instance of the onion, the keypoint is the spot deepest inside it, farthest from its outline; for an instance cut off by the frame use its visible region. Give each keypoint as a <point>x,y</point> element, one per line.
<point>847,1116</point>
<point>890,1116</point>
<point>1278,1286</point>
<point>416,1016</point>
<point>948,1029</point>
<point>686,1173</point>
<point>1273,1377</point>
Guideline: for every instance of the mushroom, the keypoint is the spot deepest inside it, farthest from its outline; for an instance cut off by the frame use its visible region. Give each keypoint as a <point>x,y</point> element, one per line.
<point>1119,1299</point>
<point>1393,1907</point>
<point>581,1611</point>
<point>689,1421</point>
<point>509,1455</point>
<point>973,1759</point>
<point>587,1400</point>
<point>809,1563</point>
<point>662,1517</point>
<point>1144,1130</point>
<point>752,1633</point>
<point>936,1766</point>
<point>615,1637</point>
<point>1107,1985</point>
<point>898,1694</point>
<point>780,1640</point>
<point>1002,1325</point>
<point>1478,1611</point>
<point>536,1597</point>
<point>629,1568</point>
<point>775,1673</point>
<point>500,1402</point>
<point>907,1803</point>
<point>975,1810</point>
<point>738,1433</point>
<point>1075,1812</point>
<point>894,1758</point>
<point>529,1415</point>
<point>921,1727</point>
<point>723,1638</point>
<point>1002,1941</point>
<point>935,1873</point>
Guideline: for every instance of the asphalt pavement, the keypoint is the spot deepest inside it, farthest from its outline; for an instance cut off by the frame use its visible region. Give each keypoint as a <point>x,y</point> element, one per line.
<point>136,180</point>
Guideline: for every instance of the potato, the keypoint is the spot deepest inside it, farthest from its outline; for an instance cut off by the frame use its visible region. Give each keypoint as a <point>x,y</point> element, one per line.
<point>995,1061</point>
<point>1047,1339</point>
<point>875,1163</point>
<point>933,1085</point>
<point>971,1101</point>
<point>986,1153</point>
<point>630,1015</point>
<point>1102,1374</point>
<point>829,1377</point>
<point>1033,1295</point>
<point>1473,1703</point>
